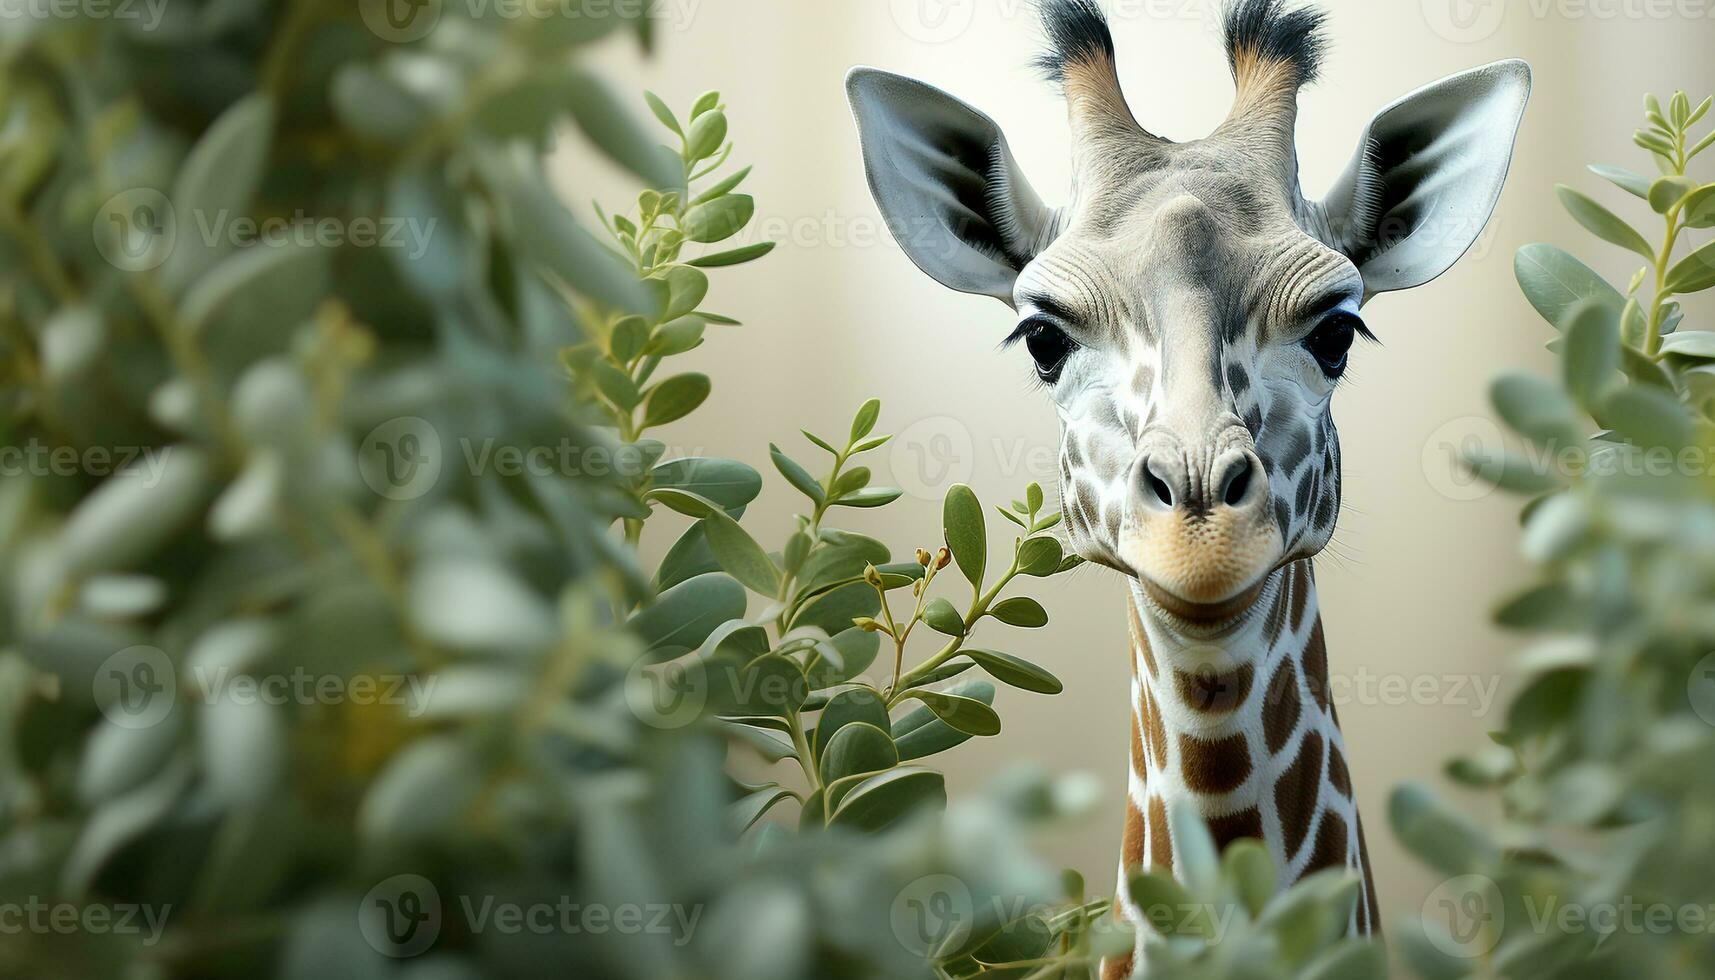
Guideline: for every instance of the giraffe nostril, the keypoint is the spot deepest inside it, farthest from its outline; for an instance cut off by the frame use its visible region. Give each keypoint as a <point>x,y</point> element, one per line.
<point>1157,486</point>
<point>1238,480</point>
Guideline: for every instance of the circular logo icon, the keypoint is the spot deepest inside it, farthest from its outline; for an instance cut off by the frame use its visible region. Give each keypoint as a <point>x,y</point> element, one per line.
<point>930,455</point>
<point>400,21</point>
<point>1451,454</point>
<point>1700,689</point>
<point>400,459</point>
<point>401,917</point>
<point>1470,909</point>
<point>933,21</point>
<point>667,695</point>
<point>932,913</point>
<point>135,229</point>
<point>1464,21</point>
<point>136,687</point>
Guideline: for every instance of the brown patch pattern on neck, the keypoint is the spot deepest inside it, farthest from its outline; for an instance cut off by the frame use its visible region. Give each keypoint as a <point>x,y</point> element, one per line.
<point>1212,691</point>
<point>1212,766</point>
<point>1295,794</point>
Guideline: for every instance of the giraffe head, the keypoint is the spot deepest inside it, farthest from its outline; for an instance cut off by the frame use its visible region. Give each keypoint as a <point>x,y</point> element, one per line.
<point>1189,313</point>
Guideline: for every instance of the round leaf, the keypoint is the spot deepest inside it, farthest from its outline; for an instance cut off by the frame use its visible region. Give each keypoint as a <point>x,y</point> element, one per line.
<point>966,534</point>
<point>1020,611</point>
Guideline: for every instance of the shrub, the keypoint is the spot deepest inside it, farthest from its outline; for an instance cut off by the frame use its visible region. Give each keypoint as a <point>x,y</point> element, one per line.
<point>1600,864</point>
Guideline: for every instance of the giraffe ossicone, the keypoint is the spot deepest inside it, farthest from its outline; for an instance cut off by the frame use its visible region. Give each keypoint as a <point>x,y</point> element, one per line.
<point>1189,313</point>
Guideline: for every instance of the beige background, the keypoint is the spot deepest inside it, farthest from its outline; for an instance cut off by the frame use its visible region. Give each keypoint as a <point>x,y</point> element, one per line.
<point>838,313</point>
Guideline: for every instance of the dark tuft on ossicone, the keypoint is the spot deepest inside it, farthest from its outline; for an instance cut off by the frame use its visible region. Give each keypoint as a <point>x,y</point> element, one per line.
<point>1077,34</point>
<point>1266,31</point>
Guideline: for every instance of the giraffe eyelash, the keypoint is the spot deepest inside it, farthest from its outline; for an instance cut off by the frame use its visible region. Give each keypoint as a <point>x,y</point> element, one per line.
<point>1048,344</point>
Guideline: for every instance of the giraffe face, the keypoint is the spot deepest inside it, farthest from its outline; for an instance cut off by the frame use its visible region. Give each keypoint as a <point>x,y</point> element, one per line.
<point>1190,336</point>
<point>1191,311</point>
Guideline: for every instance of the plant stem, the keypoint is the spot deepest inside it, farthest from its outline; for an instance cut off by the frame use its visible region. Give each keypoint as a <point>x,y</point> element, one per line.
<point>979,608</point>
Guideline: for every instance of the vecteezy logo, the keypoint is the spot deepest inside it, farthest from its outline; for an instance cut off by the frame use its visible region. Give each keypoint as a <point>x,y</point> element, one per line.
<point>401,917</point>
<point>1464,21</point>
<point>933,21</point>
<point>136,687</point>
<point>932,913</point>
<point>400,21</point>
<point>667,695</point>
<point>1700,688</point>
<point>400,459</point>
<point>1470,909</point>
<point>1448,454</point>
<point>931,455</point>
<point>135,229</point>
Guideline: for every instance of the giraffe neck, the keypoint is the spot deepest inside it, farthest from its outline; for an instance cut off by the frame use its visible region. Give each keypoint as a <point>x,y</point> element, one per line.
<point>1241,727</point>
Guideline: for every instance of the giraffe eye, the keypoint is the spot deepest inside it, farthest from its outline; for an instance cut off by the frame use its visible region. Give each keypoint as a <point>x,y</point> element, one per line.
<point>1331,340</point>
<point>1049,347</point>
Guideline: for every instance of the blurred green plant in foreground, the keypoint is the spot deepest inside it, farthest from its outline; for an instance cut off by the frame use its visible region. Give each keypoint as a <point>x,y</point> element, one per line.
<point>1601,864</point>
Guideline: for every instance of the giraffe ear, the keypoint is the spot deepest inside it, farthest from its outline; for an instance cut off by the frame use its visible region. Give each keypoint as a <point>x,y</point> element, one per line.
<point>1426,176</point>
<point>946,184</point>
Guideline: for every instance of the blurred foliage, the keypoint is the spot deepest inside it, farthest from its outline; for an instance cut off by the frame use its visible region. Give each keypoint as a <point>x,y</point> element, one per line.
<point>284,290</point>
<point>1600,865</point>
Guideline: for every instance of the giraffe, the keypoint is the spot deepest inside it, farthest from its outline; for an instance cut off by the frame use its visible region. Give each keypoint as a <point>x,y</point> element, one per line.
<point>1189,315</point>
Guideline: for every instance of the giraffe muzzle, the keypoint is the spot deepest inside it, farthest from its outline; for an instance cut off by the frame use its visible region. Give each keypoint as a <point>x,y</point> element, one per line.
<point>1200,533</point>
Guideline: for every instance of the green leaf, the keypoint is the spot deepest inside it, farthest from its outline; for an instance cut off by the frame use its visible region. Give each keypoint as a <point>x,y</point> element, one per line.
<point>708,132</point>
<point>1016,671</point>
<point>737,256</point>
<point>1694,273</point>
<point>834,610</point>
<point>857,649</point>
<point>1164,902</point>
<point>216,182</point>
<point>1510,471</point>
<point>1247,865</point>
<point>1699,344</point>
<point>1020,611</point>
<point>688,557</point>
<point>884,799</point>
<point>858,747</point>
<point>1602,223</point>
<point>685,287</point>
<point>918,733</point>
<point>722,188</point>
<point>659,108</point>
<point>719,219</point>
<point>603,117</point>
<point>1632,183</point>
<point>1588,365</point>
<point>864,422</point>
<point>548,235</point>
<point>1195,863</point>
<point>852,706</point>
<point>943,618</point>
<point>796,475</point>
<point>1699,209</point>
<point>683,616</point>
<point>1648,417</point>
<point>675,398</point>
<point>676,337</point>
<point>772,686</point>
<point>753,806</point>
<point>967,715</point>
<point>1436,834</point>
<point>1039,556</point>
<point>627,338</point>
<point>1667,192</point>
<point>870,497</point>
<point>740,555</point>
<point>966,534</point>
<point>1554,282</point>
<point>705,102</point>
<point>727,482</point>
